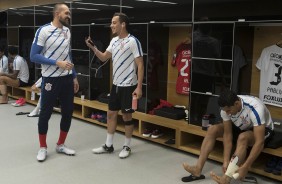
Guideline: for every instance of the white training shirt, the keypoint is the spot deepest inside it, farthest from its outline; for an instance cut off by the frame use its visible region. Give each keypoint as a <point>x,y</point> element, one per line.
<point>4,67</point>
<point>20,64</point>
<point>124,51</point>
<point>270,66</point>
<point>253,113</point>
<point>56,45</point>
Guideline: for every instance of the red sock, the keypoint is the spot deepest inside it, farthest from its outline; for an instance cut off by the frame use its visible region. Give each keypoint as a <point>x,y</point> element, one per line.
<point>42,140</point>
<point>62,138</point>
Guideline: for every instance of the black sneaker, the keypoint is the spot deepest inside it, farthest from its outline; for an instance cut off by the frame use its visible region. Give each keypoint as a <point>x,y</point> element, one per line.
<point>103,149</point>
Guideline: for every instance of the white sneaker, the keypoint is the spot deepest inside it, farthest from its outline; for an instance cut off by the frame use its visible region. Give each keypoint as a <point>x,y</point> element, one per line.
<point>63,149</point>
<point>103,149</point>
<point>125,152</point>
<point>42,154</point>
<point>34,113</point>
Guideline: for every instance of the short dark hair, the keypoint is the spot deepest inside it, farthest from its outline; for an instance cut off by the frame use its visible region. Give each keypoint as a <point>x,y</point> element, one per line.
<point>13,50</point>
<point>227,98</point>
<point>57,7</point>
<point>122,18</point>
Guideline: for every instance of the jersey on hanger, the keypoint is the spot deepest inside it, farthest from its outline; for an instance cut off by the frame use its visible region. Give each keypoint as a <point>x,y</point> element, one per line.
<point>270,65</point>
<point>182,59</point>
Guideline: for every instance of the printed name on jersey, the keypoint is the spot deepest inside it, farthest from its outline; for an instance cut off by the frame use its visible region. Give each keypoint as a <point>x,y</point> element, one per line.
<point>270,64</point>
<point>276,57</point>
<point>272,99</point>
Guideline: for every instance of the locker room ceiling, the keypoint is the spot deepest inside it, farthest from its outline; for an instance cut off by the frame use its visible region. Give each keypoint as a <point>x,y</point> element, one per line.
<point>81,6</point>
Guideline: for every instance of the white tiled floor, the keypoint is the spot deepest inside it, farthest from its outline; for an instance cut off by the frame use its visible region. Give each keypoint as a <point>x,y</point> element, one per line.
<point>149,163</point>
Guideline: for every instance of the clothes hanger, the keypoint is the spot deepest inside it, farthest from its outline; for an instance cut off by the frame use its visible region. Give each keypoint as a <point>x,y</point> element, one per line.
<point>187,40</point>
<point>279,43</point>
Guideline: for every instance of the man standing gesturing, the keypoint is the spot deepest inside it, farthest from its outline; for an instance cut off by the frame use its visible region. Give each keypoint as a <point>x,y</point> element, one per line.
<point>128,71</point>
<point>51,48</point>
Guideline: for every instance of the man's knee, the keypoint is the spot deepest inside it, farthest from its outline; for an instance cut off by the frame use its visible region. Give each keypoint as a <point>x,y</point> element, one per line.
<point>127,117</point>
<point>2,80</point>
<point>242,138</point>
<point>129,123</point>
<point>112,115</point>
<point>215,130</point>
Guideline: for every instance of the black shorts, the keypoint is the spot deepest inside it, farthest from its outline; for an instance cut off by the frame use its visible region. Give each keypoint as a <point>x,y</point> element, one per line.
<point>237,131</point>
<point>121,98</point>
<point>22,84</point>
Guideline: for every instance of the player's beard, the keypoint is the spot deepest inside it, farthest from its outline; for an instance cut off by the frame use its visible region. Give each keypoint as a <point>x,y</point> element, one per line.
<point>65,22</point>
<point>114,33</point>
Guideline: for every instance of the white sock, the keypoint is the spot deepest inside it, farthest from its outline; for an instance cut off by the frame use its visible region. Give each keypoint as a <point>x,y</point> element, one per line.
<point>37,108</point>
<point>35,111</point>
<point>109,140</point>
<point>38,103</point>
<point>127,141</point>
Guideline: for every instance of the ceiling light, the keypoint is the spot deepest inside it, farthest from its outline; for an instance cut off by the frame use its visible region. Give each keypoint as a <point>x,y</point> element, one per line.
<point>88,9</point>
<point>149,1</point>
<point>121,6</point>
<point>162,2</point>
<point>91,4</point>
<point>48,7</point>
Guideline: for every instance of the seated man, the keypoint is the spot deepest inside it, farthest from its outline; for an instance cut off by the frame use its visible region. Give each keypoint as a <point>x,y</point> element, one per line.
<point>18,78</point>
<point>246,122</point>
<point>3,61</point>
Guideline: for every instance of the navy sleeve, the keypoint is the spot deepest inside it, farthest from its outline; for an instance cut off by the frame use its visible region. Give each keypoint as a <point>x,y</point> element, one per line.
<point>74,74</point>
<point>36,57</point>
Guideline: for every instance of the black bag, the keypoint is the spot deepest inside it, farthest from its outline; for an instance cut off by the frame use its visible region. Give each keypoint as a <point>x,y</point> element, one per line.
<point>276,140</point>
<point>104,98</point>
<point>171,112</point>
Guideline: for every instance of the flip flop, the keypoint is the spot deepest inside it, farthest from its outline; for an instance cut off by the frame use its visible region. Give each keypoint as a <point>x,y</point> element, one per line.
<point>35,115</point>
<point>193,178</point>
<point>250,179</point>
<point>22,113</point>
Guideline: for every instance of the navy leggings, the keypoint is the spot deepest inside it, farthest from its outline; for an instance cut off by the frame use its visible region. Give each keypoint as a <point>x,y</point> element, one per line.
<point>53,88</point>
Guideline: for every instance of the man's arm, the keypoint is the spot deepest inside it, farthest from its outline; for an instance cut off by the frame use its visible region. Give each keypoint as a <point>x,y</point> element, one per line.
<point>227,143</point>
<point>37,57</point>
<point>140,76</point>
<point>103,56</point>
<point>13,75</point>
<point>259,132</point>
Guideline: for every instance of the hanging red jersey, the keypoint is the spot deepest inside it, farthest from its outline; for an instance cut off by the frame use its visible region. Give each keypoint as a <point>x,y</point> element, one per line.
<point>182,59</point>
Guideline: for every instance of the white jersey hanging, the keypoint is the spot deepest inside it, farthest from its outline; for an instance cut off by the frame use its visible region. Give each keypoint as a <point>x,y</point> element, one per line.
<point>270,65</point>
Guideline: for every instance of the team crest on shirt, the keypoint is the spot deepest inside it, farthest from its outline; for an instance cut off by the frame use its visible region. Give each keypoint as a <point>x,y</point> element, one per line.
<point>121,45</point>
<point>48,87</point>
<point>65,34</point>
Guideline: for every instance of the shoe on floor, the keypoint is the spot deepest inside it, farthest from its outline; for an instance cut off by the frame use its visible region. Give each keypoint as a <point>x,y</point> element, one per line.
<point>63,149</point>
<point>278,168</point>
<point>34,113</point>
<point>157,133</point>
<point>147,132</point>
<point>42,154</point>
<point>125,152</point>
<point>103,149</point>
<point>270,165</point>
<point>19,102</point>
